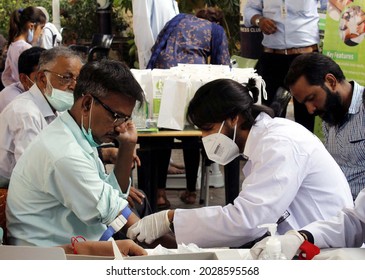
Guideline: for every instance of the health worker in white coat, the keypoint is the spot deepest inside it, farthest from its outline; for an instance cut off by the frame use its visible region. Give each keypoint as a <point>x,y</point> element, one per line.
<point>346,230</point>
<point>149,17</point>
<point>287,170</point>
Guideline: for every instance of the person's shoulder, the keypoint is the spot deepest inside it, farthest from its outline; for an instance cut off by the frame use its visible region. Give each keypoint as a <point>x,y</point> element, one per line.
<point>22,104</point>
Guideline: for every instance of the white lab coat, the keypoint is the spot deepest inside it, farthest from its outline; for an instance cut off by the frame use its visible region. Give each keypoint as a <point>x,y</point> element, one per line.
<point>149,17</point>
<point>347,229</point>
<point>288,168</point>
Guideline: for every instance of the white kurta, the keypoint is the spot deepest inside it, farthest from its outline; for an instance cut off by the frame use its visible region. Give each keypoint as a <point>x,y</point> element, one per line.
<point>20,122</point>
<point>149,17</point>
<point>288,169</point>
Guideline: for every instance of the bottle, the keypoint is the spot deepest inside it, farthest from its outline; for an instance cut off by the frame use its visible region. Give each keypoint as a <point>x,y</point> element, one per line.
<point>272,250</point>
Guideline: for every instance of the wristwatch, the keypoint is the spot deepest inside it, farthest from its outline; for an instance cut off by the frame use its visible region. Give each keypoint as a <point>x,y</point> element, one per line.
<point>257,21</point>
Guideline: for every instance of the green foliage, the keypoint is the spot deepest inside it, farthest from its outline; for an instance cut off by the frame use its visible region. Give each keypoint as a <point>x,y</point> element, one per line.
<point>8,6</point>
<point>79,16</point>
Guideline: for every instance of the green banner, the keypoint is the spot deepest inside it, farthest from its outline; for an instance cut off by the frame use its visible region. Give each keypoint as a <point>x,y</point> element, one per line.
<point>344,37</point>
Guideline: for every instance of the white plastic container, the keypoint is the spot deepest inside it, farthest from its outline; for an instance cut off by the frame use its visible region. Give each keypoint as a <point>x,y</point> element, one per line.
<point>273,245</point>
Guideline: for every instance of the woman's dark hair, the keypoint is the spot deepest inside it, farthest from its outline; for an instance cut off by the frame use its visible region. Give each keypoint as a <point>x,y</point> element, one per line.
<point>221,99</point>
<point>19,18</point>
<point>212,14</point>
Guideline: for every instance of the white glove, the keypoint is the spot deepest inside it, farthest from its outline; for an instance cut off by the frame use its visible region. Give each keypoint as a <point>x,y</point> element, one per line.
<point>290,243</point>
<point>150,227</point>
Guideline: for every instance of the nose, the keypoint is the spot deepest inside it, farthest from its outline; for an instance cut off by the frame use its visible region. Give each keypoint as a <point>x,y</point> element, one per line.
<point>310,108</point>
<point>71,85</point>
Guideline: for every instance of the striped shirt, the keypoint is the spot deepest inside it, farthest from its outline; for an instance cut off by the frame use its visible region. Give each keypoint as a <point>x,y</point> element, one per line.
<point>346,142</point>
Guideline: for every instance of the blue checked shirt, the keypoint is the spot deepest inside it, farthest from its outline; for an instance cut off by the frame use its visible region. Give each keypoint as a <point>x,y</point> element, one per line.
<point>346,142</point>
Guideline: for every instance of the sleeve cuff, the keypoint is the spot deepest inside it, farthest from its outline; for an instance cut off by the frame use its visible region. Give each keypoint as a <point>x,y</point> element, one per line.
<point>307,235</point>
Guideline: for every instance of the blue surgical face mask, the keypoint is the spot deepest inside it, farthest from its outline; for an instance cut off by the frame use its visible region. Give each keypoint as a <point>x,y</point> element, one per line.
<point>30,35</point>
<point>88,135</point>
<point>59,99</point>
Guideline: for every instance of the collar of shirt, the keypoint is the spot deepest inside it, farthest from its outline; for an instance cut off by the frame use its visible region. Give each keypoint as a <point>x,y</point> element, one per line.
<point>41,102</point>
<point>356,99</point>
<point>68,120</point>
<point>251,141</point>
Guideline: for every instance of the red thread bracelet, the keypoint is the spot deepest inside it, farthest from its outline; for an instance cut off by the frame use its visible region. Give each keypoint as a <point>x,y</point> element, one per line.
<point>75,239</point>
<point>308,251</point>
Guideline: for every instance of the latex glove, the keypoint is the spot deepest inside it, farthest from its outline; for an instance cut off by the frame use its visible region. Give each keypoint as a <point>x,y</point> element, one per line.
<point>150,227</point>
<point>290,243</point>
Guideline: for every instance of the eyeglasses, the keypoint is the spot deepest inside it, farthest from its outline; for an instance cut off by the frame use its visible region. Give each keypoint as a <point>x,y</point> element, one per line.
<point>65,80</point>
<point>118,119</point>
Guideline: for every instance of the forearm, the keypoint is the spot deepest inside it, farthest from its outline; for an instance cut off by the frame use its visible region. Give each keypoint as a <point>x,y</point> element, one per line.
<point>122,167</point>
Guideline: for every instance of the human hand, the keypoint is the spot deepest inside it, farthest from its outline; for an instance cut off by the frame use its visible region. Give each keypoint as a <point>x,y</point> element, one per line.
<point>127,133</point>
<point>267,26</point>
<point>150,227</point>
<point>130,248</point>
<point>136,159</point>
<point>135,196</point>
<point>290,243</point>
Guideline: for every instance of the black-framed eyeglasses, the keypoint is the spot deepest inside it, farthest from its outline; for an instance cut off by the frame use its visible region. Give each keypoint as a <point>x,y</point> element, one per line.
<point>118,118</point>
<point>64,79</point>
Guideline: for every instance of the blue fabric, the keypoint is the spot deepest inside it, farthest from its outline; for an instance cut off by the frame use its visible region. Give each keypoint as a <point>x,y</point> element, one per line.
<point>162,39</point>
<point>217,38</point>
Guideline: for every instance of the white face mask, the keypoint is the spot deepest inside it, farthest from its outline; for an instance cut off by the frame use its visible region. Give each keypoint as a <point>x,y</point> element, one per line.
<point>220,148</point>
<point>59,99</point>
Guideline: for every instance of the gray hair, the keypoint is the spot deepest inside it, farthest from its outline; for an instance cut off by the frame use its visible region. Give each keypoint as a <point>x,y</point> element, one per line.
<point>48,58</point>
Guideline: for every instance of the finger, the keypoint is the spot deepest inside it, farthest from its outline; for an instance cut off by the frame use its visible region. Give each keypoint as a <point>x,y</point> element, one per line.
<point>137,161</point>
<point>130,202</point>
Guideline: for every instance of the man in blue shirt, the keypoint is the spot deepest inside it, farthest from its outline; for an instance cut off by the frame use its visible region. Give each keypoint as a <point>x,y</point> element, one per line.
<point>317,82</point>
<point>59,188</point>
<point>290,27</point>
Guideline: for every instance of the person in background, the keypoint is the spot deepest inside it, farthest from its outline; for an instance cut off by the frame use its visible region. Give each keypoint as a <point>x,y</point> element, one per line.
<point>29,113</point>
<point>317,82</point>
<point>27,68</point>
<point>345,230</point>
<point>50,37</point>
<point>290,178</point>
<point>289,29</point>
<point>149,17</point>
<point>25,27</point>
<point>193,39</point>
<point>61,174</point>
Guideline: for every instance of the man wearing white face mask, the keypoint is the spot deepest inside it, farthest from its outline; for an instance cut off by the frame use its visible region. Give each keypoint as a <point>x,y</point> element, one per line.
<point>287,170</point>
<point>23,119</point>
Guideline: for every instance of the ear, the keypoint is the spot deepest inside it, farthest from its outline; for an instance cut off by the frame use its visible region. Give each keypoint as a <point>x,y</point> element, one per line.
<point>41,80</point>
<point>233,121</point>
<point>23,79</point>
<point>86,103</point>
<point>30,25</point>
<point>330,81</point>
